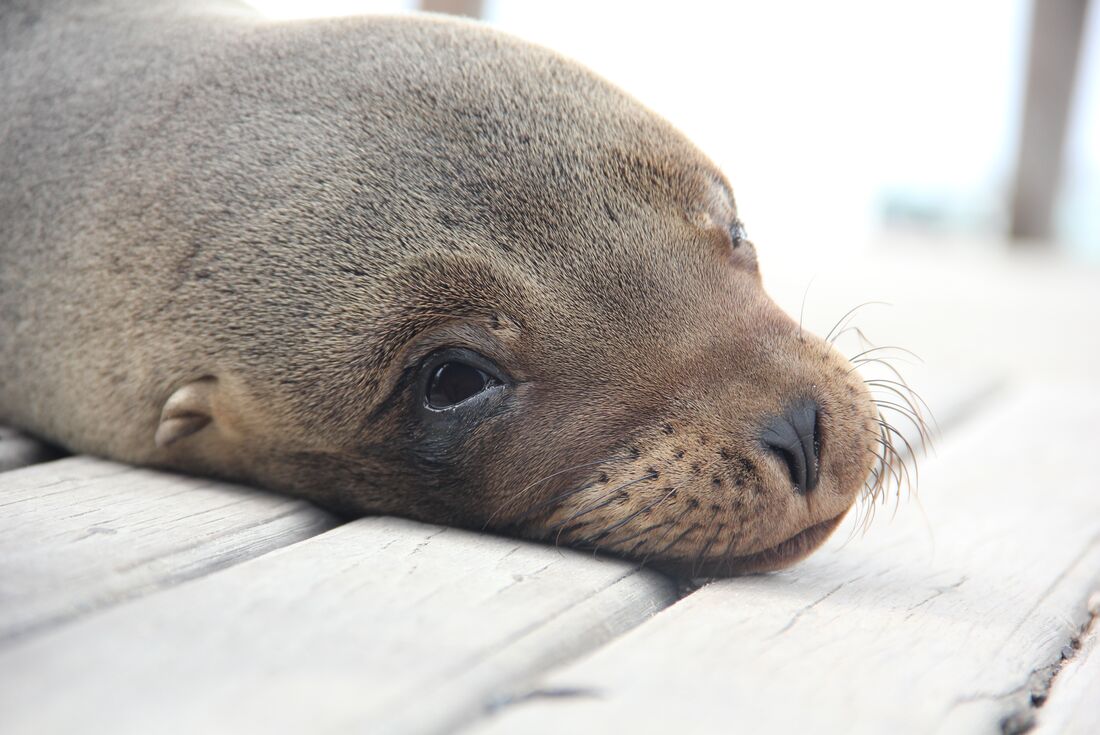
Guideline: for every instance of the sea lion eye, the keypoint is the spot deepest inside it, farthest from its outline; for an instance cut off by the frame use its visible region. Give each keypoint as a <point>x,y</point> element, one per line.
<point>455,376</point>
<point>454,382</point>
<point>737,234</point>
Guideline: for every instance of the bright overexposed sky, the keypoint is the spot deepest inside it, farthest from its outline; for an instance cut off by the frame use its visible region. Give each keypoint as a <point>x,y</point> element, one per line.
<point>825,115</point>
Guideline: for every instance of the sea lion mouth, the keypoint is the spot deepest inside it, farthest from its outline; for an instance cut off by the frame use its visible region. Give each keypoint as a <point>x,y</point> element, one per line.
<point>783,554</point>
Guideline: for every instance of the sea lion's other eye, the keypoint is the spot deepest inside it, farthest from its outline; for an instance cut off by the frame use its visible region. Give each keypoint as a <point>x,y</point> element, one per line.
<point>456,376</point>
<point>737,233</point>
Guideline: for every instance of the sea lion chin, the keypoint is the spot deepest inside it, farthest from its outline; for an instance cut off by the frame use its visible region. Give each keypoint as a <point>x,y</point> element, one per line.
<point>410,266</point>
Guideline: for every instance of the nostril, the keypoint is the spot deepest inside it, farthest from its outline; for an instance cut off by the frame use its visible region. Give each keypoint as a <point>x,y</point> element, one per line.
<point>793,437</point>
<point>782,440</point>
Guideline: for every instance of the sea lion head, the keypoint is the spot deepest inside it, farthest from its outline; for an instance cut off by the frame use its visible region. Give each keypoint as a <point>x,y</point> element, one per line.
<point>524,303</point>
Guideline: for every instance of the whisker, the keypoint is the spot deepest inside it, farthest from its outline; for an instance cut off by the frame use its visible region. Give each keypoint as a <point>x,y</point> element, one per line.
<point>887,472</point>
<point>892,475</point>
<point>917,421</point>
<point>899,471</point>
<point>886,347</point>
<point>853,310</point>
<point>893,467</point>
<point>869,519</point>
<point>635,514</point>
<point>900,382</point>
<point>896,387</point>
<point>609,494</point>
<point>725,555</point>
<point>670,545</point>
<point>883,360</point>
<point>802,309</point>
<point>881,478</point>
<point>634,549</point>
<point>844,331</point>
<point>856,521</point>
<point>908,448</point>
<point>643,531</point>
<point>888,458</point>
<point>664,535</point>
<point>572,529</point>
<point>863,338</point>
<point>876,482</point>
<point>549,503</point>
<point>912,411</point>
<point>711,538</point>
<point>541,480</point>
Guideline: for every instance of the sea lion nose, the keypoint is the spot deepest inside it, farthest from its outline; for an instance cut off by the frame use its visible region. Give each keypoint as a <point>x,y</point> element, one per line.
<point>792,436</point>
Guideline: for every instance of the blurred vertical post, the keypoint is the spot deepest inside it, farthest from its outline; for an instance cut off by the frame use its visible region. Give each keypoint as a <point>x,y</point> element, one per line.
<point>468,8</point>
<point>1054,49</point>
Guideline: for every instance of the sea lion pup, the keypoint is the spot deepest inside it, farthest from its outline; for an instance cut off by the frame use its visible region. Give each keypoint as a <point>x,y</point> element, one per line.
<point>404,265</point>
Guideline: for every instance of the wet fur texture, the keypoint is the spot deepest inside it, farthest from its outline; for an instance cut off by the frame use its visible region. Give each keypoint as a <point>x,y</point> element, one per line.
<point>299,213</point>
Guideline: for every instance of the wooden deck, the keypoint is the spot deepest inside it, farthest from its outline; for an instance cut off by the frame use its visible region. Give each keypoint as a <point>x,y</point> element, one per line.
<point>133,601</point>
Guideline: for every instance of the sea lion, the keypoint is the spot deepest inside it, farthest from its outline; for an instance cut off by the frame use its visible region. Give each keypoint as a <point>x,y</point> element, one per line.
<point>404,265</point>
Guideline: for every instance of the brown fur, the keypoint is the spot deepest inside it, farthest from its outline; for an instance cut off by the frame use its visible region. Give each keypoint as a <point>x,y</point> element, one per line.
<point>291,216</point>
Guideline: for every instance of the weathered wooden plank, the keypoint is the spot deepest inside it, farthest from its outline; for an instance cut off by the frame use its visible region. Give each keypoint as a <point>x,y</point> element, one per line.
<point>1073,707</point>
<point>931,622</point>
<point>80,534</point>
<point>382,625</point>
<point>19,450</point>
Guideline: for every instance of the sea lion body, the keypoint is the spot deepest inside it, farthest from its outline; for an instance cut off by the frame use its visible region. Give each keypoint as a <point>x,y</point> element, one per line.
<point>233,247</point>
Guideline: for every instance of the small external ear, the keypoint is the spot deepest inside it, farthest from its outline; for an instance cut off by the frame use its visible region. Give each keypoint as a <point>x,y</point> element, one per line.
<point>185,412</point>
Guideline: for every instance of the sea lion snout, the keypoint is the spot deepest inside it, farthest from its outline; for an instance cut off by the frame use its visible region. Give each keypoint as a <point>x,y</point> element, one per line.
<point>746,468</point>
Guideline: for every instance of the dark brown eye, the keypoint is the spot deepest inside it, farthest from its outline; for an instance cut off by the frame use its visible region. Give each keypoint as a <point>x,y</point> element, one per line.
<point>460,384</point>
<point>454,382</point>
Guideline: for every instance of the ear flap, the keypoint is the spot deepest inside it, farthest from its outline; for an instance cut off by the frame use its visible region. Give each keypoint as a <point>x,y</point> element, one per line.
<point>185,412</point>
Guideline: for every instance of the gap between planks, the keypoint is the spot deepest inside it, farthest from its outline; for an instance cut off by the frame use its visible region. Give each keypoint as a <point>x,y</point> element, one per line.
<point>380,624</point>
<point>81,534</point>
<point>1070,702</point>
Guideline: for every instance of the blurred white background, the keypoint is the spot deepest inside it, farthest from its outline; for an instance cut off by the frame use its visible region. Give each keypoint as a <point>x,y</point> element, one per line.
<point>850,121</point>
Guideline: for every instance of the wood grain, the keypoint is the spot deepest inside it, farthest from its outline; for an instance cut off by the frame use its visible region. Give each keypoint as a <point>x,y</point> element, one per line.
<point>381,625</point>
<point>80,534</point>
<point>933,621</point>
